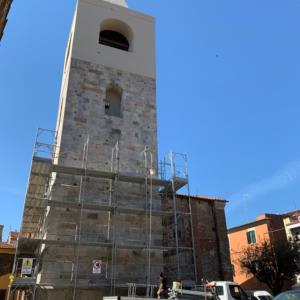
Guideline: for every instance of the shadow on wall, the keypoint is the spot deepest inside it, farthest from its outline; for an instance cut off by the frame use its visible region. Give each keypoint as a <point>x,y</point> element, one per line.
<point>6,263</point>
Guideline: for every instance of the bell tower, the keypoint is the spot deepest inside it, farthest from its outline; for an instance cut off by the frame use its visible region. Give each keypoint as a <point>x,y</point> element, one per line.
<point>106,126</point>
<point>100,218</point>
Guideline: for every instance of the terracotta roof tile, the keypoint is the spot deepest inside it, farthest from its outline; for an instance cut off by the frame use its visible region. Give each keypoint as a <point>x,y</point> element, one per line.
<point>201,197</point>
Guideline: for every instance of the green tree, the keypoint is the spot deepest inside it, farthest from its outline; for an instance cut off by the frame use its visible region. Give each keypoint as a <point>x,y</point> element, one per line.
<point>272,264</point>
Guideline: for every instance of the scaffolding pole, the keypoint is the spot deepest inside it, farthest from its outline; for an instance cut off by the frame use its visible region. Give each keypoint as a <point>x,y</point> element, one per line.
<point>149,172</point>
<point>173,174</point>
<point>81,199</point>
<point>191,222</point>
<point>113,201</point>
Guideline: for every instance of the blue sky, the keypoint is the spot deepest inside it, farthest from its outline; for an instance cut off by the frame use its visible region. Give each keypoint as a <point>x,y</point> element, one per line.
<point>228,95</point>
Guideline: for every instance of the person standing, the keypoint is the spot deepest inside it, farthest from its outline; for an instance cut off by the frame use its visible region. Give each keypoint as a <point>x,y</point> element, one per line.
<point>162,289</point>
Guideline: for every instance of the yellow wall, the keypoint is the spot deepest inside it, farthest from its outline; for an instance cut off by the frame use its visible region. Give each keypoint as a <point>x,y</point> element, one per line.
<point>4,280</point>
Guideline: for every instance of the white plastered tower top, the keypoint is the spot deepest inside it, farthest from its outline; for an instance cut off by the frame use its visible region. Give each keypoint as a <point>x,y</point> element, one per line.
<point>92,16</point>
<point>118,2</point>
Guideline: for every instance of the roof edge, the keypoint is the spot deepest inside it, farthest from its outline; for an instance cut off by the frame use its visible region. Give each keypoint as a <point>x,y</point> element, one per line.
<point>198,197</point>
<point>250,224</point>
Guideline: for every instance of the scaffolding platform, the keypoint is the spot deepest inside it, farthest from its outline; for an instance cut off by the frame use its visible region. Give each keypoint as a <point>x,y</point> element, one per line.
<point>24,282</point>
<point>41,169</point>
<point>33,243</point>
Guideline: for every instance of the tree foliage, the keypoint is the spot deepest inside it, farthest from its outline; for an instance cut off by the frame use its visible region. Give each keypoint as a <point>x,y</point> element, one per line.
<point>272,264</point>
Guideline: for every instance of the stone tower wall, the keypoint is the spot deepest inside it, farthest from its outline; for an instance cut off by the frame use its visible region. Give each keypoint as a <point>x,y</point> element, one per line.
<point>85,115</point>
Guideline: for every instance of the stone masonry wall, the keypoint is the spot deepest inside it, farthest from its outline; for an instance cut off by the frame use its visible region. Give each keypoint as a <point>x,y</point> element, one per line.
<point>85,115</point>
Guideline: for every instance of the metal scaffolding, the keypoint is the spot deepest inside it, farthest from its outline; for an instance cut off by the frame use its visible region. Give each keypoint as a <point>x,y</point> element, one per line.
<point>35,234</point>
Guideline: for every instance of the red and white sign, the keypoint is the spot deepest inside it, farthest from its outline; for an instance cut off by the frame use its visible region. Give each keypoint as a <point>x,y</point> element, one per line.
<point>97,266</point>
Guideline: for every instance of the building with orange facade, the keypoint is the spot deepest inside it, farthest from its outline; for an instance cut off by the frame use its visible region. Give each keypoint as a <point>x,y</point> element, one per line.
<point>266,227</point>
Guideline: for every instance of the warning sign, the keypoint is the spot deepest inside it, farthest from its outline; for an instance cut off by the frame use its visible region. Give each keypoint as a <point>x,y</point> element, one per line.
<point>27,266</point>
<point>97,266</point>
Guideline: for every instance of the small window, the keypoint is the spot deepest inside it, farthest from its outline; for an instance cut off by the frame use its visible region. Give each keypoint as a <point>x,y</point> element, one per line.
<point>117,34</point>
<point>114,39</point>
<point>112,103</point>
<point>251,238</point>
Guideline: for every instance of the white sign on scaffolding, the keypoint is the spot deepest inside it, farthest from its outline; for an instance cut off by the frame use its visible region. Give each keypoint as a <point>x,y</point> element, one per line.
<point>97,266</point>
<point>27,264</point>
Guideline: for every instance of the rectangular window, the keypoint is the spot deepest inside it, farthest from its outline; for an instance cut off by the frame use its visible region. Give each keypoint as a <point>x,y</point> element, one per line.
<point>113,102</point>
<point>251,238</point>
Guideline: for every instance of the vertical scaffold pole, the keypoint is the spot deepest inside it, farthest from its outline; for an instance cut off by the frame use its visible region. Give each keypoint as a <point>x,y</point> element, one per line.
<point>149,206</point>
<point>114,156</point>
<point>191,218</point>
<point>113,202</point>
<point>173,175</point>
<point>81,202</point>
<point>150,218</point>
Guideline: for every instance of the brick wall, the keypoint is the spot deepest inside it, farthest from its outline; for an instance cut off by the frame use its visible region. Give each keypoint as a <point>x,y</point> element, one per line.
<point>211,245</point>
<point>211,242</point>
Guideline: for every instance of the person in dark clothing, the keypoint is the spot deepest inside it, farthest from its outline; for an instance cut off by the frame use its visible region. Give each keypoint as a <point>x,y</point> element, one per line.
<point>162,290</point>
